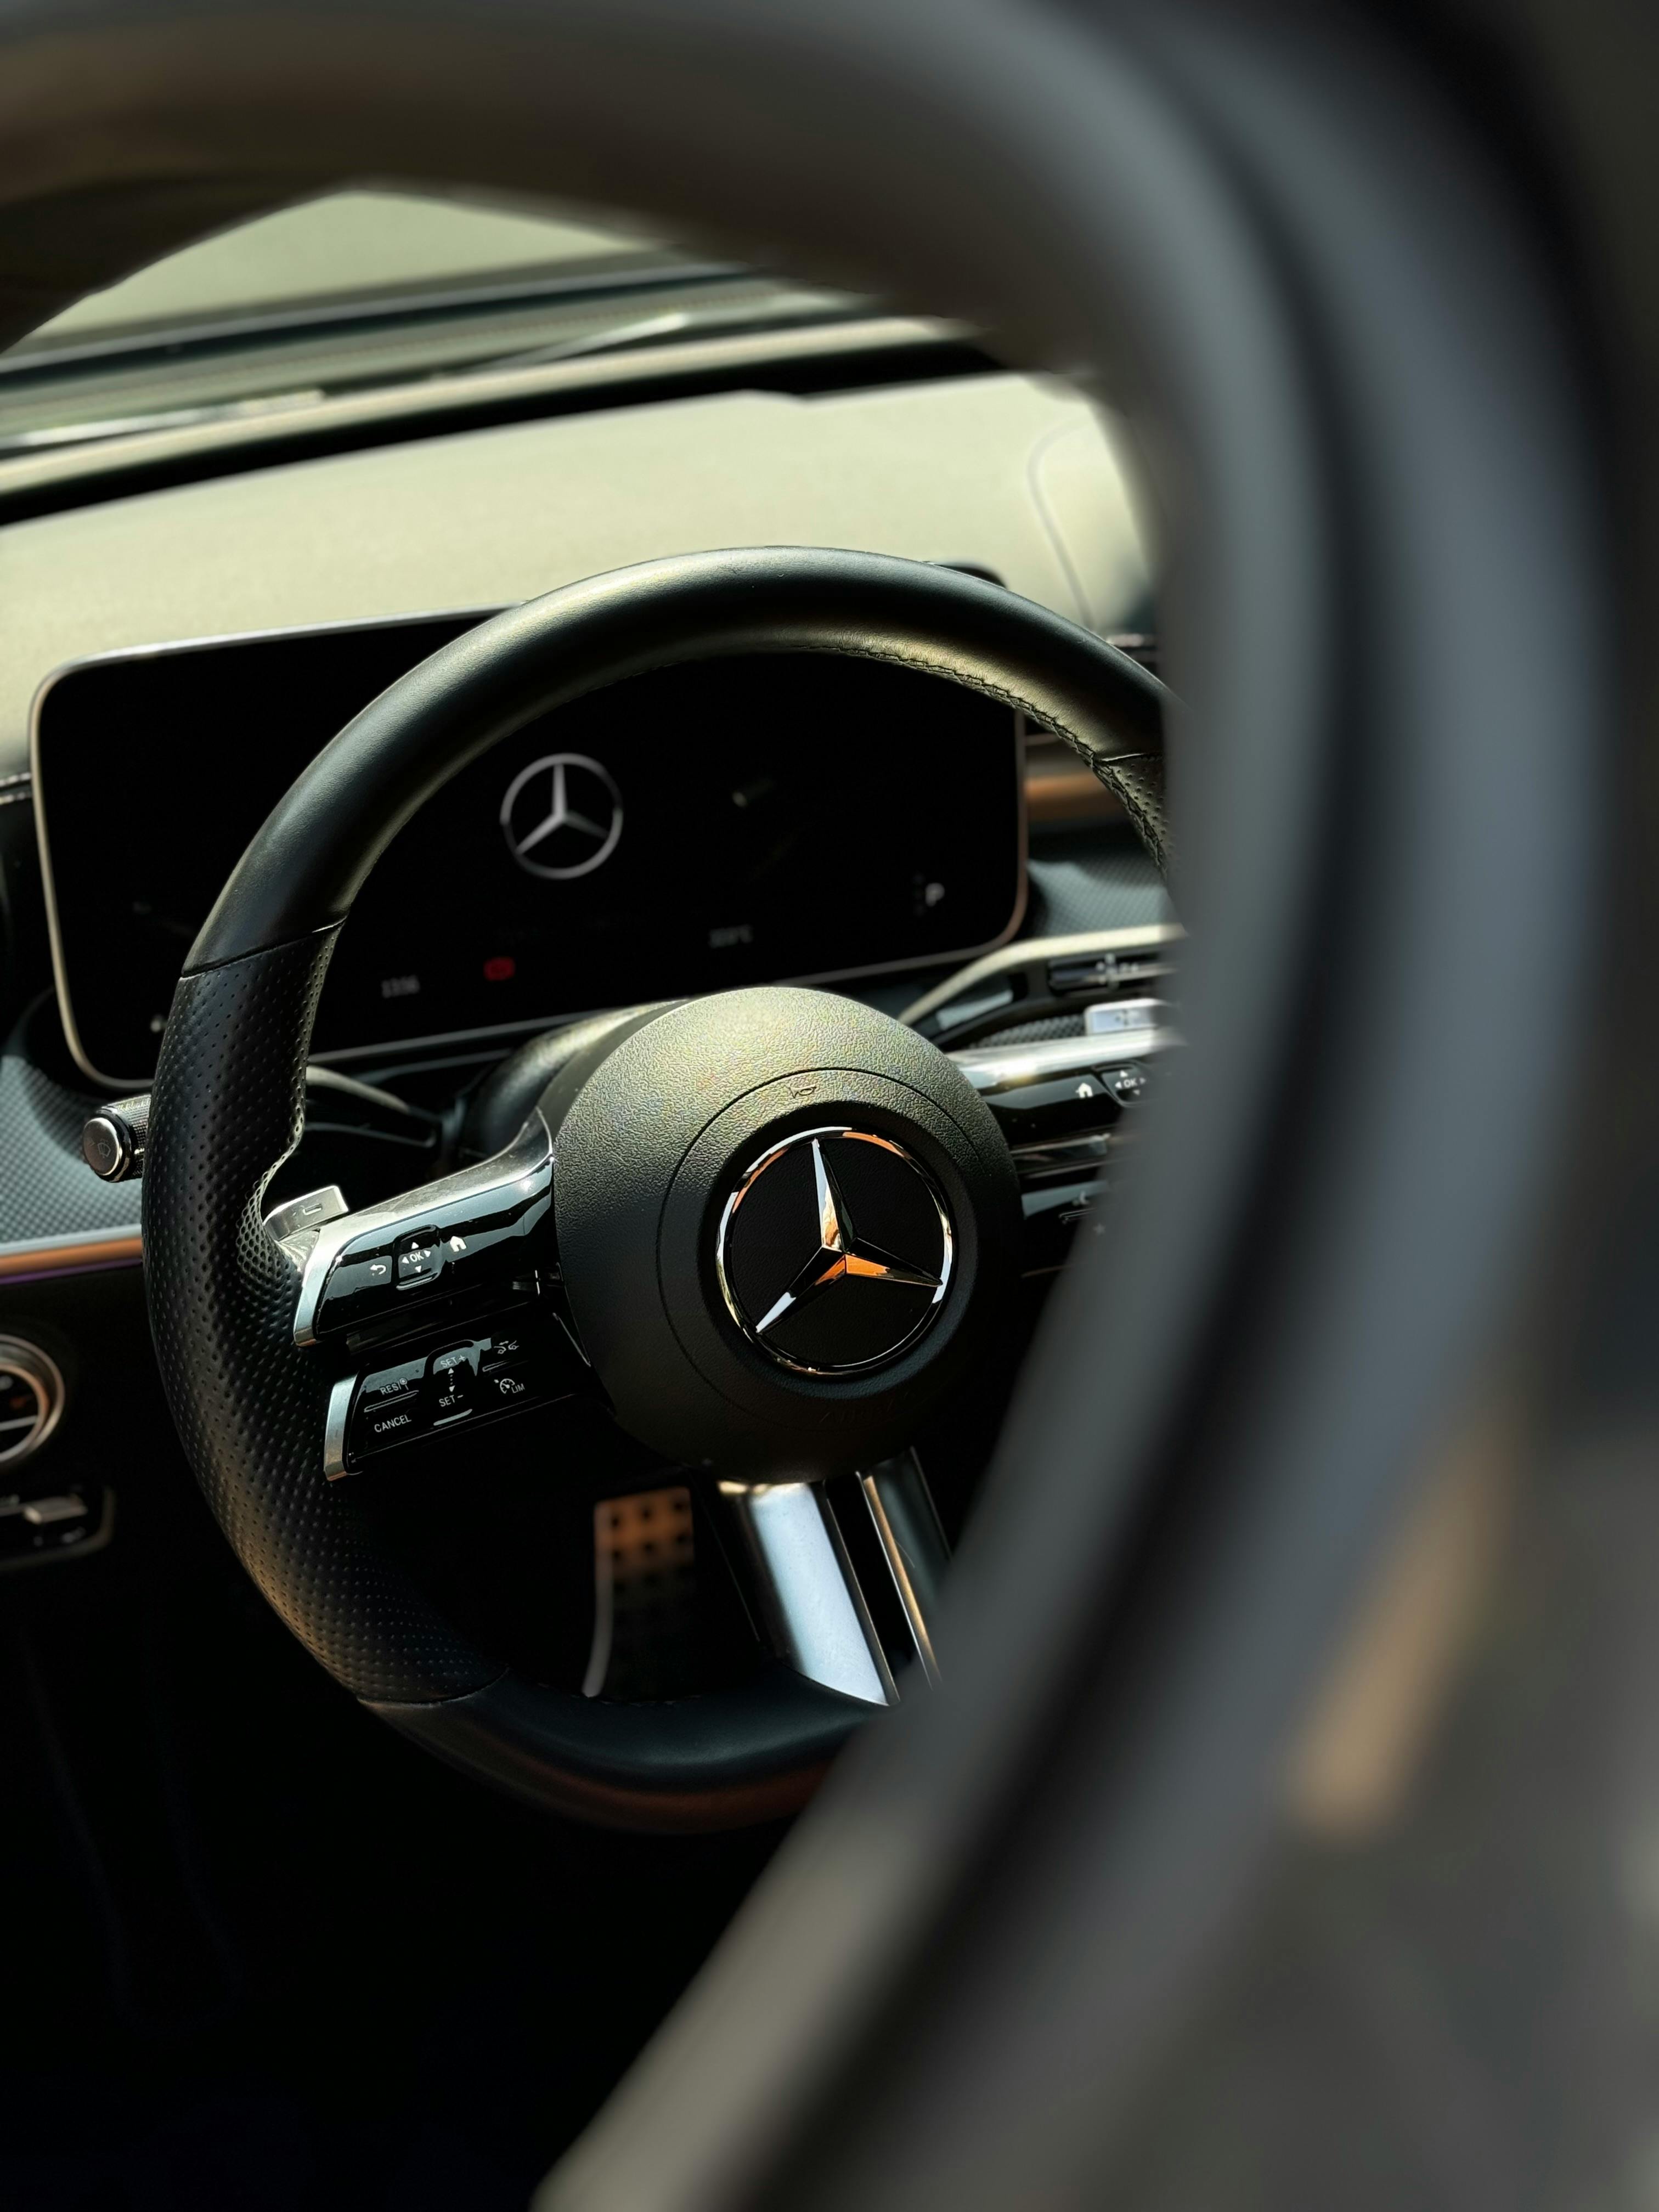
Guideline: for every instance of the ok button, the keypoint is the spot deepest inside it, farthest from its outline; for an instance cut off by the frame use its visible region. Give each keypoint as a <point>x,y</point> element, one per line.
<point>419,1258</point>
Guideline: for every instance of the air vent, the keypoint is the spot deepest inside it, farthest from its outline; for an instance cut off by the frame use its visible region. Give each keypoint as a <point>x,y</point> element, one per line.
<point>31,1399</point>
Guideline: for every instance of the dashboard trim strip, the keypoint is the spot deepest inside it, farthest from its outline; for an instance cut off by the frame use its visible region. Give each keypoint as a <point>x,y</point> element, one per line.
<point>110,470</point>
<point>76,1253</point>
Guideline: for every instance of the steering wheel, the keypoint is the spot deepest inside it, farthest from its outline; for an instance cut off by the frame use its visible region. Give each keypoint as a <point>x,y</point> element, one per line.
<point>771,1228</point>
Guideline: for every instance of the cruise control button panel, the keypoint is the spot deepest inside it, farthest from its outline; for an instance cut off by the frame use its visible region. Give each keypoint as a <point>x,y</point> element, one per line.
<point>525,1360</point>
<point>385,1421</point>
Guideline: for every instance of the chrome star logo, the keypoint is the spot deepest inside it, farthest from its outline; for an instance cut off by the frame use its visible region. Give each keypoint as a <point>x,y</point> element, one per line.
<point>835,1251</point>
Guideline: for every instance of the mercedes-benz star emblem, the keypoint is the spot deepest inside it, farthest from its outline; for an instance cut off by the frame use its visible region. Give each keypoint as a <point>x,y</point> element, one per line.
<point>835,1251</point>
<point>561,816</point>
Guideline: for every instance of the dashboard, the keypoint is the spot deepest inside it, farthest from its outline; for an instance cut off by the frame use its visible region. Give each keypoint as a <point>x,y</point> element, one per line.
<point>173,654</point>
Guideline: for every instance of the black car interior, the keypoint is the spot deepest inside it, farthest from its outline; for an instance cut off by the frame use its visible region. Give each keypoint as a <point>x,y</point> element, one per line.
<point>827,1071</point>
<point>900,782</point>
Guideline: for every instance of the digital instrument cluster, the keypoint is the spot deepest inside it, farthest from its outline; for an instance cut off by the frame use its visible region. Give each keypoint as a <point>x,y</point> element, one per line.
<point>722,823</point>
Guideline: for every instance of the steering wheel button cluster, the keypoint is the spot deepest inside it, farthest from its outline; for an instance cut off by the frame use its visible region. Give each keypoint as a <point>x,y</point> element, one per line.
<point>526,1363</point>
<point>392,1421</point>
<point>1038,1113</point>
<point>476,1230</point>
<point>461,1358</point>
<point>509,1386</point>
<point>392,1383</point>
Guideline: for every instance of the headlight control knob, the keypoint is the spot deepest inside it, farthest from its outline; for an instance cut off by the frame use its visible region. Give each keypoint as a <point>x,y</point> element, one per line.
<point>31,1399</point>
<point>113,1142</point>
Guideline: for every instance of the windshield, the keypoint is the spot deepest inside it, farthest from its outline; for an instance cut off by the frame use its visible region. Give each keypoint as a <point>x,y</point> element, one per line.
<point>359,290</point>
<point>350,247</point>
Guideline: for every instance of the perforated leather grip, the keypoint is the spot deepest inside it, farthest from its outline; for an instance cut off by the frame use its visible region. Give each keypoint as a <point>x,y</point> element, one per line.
<point>227,1109</point>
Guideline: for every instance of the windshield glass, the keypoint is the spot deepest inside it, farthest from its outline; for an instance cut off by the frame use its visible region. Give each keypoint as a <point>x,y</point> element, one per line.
<point>360,290</point>
<point>351,248</point>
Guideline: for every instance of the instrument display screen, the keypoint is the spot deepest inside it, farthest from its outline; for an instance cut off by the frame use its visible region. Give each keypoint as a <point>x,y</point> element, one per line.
<point>787,816</point>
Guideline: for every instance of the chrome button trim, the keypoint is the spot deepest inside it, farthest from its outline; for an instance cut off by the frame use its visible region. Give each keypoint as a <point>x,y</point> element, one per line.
<point>1145,1032</point>
<point>814,1610</point>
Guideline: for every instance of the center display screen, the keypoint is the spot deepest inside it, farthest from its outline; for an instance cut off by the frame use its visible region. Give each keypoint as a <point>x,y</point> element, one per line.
<point>718,823</point>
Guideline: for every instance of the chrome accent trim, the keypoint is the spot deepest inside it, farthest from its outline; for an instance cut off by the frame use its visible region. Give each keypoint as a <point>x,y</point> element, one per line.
<point>127,1123</point>
<point>1010,1065</point>
<point>848,1262</point>
<point>120,1146</point>
<point>529,1156</point>
<point>94,1542</point>
<point>813,1609</point>
<point>1137,936</point>
<point>890,1492</point>
<point>73,1253</point>
<point>1113,1017</point>
<point>312,1209</point>
<point>44,1512</point>
<point>334,1428</point>
<point>43,1371</point>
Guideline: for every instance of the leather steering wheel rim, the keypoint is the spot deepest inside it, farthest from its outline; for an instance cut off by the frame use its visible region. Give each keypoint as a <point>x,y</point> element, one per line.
<point>227,1109</point>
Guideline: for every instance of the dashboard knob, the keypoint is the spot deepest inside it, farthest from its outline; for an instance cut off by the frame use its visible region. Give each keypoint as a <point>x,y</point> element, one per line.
<point>113,1141</point>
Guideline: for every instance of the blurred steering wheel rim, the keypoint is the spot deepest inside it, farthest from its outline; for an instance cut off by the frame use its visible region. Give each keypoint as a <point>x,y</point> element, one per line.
<point>1361,425</point>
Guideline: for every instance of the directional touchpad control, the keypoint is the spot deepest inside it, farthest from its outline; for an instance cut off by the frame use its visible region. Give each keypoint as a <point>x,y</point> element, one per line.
<point>420,1258</point>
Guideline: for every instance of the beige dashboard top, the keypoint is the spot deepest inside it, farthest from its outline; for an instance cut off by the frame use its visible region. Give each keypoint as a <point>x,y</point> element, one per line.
<point>1008,473</point>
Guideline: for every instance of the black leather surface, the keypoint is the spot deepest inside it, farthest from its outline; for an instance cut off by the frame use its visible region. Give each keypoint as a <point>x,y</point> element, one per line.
<point>503,1101</point>
<point>752,1753</point>
<point>311,857</point>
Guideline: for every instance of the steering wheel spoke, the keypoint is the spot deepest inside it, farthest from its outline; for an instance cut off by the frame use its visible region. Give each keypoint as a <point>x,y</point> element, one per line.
<point>845,1574</point>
